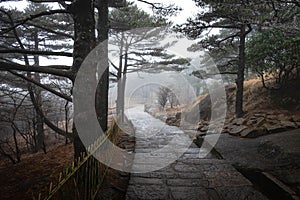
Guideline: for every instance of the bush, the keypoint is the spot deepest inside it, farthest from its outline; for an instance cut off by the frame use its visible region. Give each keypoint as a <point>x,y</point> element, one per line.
<point>274,53</point>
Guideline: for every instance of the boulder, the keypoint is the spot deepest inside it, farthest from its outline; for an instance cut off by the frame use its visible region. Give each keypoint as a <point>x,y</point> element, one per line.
<point>177,123</point>
<point>251,122</point>
<point>274,128</point>
<point>236,130</point>
<point>215,128</point>
<point>238,121</point>
<point>204,128</point>
<point>259,115</point>
<point>200,127</point>
<point>295,118</point>
<point>259,121</point>
<point>160,116</point>
<point>288,124</point>
<point>205,108</point>
<point>253,132</point>
<point>272,121</point>
<point>178,115</point>
<point>271,117</point>
<point>225,130</point>
<point>171,120</point>
<point>147,108</point>
<point>281,117</point>
<point>203,123</point>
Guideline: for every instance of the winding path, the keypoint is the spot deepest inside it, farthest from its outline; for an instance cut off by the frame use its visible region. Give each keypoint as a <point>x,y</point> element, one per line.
<point>188,177</point>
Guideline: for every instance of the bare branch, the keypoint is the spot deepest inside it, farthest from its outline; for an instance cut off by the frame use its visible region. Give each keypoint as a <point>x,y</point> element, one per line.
<point>51,31</point>
<point>66,97</point>
<point>46,120</point>
<point>31,17</point>
<point>41,69</point>
<point>114,66</point>
<point>154,5</point>
<point>113,74</point>
<point>33,52</point>
<point>162,9</point>
<point>49,1</point>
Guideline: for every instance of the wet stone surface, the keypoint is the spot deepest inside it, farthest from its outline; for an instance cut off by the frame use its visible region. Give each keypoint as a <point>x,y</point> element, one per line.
<point>190,176</point>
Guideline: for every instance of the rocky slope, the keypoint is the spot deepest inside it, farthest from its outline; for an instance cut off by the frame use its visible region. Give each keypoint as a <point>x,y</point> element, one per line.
<point>265,111</point>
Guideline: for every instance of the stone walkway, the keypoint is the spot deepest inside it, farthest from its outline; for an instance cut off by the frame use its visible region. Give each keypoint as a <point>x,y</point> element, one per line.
<point>275,157</point>
<point>189,177</point>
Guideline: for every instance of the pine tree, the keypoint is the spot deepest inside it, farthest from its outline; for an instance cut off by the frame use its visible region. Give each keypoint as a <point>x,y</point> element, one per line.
<point>238,17</point>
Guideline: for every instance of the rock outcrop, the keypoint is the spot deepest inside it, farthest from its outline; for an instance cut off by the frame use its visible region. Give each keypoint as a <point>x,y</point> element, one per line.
<point>256,124</point>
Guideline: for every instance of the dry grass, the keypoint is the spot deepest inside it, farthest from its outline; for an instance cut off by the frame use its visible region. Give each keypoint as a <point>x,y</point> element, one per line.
<point>259,99</point>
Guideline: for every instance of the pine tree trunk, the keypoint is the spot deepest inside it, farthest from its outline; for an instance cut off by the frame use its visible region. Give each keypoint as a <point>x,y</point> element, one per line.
<point>18,153</point>
<point>84,42</point>
<point>40,144</point>
<point>240,75</point>
<point>103,85</point>
<point>119,78</point>
<point>123,86</point>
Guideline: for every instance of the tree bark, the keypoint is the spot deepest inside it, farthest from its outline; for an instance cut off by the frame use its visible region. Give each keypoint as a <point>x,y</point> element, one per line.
<point>84,41</point>
<point>18,153</point>
<point>38,95</point>
<point>241,70</point>
<point>101,99</point>
<point>119,77</point>
<point>240,74</point>
<point>123,85</point>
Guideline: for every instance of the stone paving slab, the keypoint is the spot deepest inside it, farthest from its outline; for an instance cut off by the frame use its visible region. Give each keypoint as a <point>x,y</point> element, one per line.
<point>277,154</point>
<point>190,177</point>
<point>210,179</point>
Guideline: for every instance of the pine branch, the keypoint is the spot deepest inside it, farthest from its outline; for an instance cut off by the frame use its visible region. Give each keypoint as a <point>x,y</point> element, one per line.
<point>31,17</point>
<point>66,97</point>
<point>51,31</point>
<point>33,52</point>
<point>41,69</point>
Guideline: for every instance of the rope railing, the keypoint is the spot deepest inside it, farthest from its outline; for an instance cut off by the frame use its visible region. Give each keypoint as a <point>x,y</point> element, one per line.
<point>82,180</point>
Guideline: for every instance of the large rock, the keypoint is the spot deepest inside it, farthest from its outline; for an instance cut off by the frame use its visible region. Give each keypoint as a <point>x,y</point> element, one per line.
<point>253,132</point>
<point>295,118</point>
<point>238,121</point>
<point>152,109</point>
<point>203,107</point>
<point>172,121</point>
<point>274,128</point>
<point>250,122</point>
<point>259,121</point>
<point>236,130</point>
<point>288,124</point>
<point>203,122</point>
<point>271,117</point>
<point>282,117</point>
<point>178,115</point>
<point>259,115</point>
<point>204,128</point>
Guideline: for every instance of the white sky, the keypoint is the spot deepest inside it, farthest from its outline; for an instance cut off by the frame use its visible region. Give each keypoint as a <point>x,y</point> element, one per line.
<point>188,8</point>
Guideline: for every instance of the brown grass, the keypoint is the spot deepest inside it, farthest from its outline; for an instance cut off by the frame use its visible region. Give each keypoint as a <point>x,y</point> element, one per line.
<point>259,99</point>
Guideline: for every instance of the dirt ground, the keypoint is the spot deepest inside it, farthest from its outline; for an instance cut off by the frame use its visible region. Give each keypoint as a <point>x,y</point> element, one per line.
<point>33,173</point>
